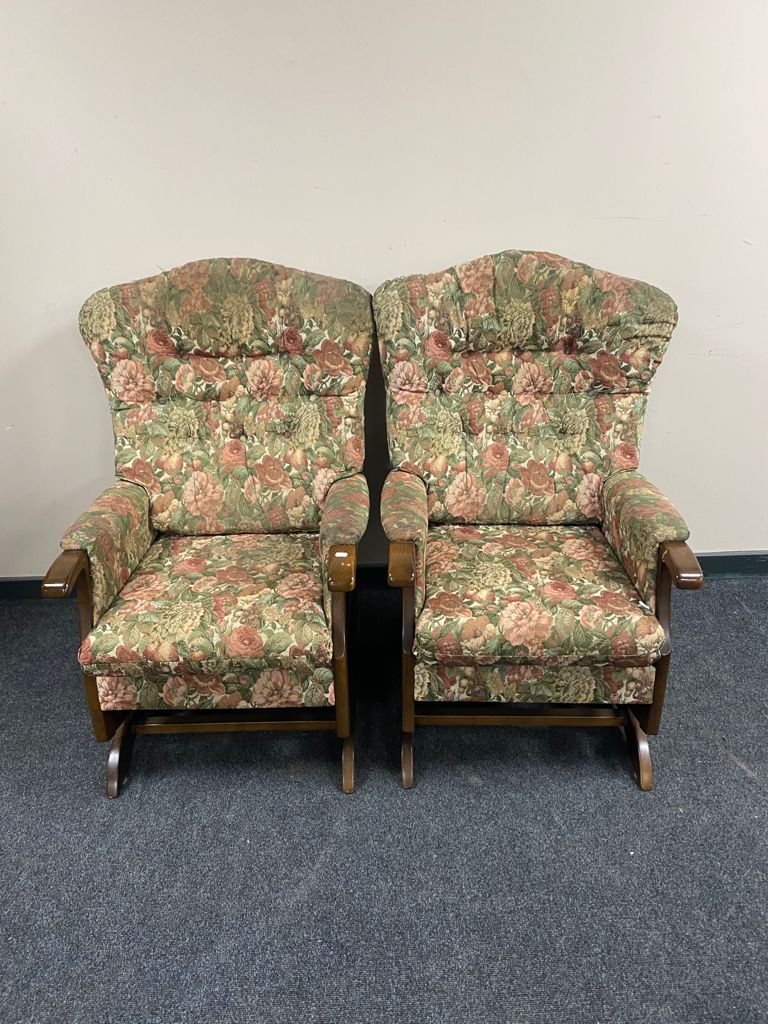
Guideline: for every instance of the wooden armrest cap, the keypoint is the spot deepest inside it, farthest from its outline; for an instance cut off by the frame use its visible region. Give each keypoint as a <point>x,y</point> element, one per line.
<point>401,570</point>
<point>342,567</point>
<point>62,576</point>
<point>682,564</point>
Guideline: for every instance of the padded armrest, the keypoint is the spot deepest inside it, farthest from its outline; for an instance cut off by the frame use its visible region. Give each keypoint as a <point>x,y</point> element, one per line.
<point>637,519</point>
<point>344,516</point>
<point>405,518</point>
<point>404,513</point>
<point>115,534</point>
<point>343,522</point>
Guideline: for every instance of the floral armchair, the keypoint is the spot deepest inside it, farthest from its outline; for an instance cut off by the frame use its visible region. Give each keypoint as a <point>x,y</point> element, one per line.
<point>212,576</point>
<point>535,561</point>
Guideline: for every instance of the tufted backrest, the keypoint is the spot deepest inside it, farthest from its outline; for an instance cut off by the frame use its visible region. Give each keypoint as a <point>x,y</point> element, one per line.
<point>236,389</point>
<point>517,382</point>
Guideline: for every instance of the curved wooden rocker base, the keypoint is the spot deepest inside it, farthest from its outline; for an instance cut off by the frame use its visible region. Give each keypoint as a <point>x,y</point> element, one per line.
<point>119,762</point>
<point>639,750</point>
<point>637,739</point>
<point>406,760</point>
<point>348,764</point>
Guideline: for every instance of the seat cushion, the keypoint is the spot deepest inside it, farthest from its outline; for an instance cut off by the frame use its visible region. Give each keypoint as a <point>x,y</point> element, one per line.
<point>531,595</point>
<point>215,605</point>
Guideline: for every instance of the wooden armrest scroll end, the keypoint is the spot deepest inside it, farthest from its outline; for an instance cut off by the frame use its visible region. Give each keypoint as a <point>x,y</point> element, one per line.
<point>401,570</point>
<point>62,577</point>
<point>682,564</point>
<point>342,567</point>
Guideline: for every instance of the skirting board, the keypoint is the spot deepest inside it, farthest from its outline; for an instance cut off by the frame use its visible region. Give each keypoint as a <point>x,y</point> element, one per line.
<point>719,564</point>
<point>734,563</point>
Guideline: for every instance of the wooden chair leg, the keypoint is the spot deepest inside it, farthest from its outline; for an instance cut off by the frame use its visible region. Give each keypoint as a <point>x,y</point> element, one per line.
<point>639,750</point>
<point>119,762</point>
<point>406,760</point>
<point>341,687</point>
<point>348,763</point>
<point>408,697</point>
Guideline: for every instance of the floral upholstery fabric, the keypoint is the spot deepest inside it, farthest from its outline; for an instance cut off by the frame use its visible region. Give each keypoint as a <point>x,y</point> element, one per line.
<point>345,512</point>
<point>115,534</point>
<point>344,520</point>
<point>517,382</point>
<point>217,612</point>
<point>236,389</point>
<point>636,519</point>
<point>552,596</point>
<point>302,685</point>
<point>535,684</point>
<point>404,517</point>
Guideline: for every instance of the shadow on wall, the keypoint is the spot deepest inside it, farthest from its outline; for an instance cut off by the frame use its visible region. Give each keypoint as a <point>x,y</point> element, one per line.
<point>373,546</point>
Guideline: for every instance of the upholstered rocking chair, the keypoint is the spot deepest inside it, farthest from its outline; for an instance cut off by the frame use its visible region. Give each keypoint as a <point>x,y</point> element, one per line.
<point>212,577</point>
<point>535,562</point>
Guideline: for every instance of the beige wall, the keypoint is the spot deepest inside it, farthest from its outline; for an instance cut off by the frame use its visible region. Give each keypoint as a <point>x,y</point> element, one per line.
<point>371,140</point>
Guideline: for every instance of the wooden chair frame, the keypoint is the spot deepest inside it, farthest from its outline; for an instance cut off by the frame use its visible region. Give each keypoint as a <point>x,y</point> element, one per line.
<point>71,571</point>
<point>676,563</point>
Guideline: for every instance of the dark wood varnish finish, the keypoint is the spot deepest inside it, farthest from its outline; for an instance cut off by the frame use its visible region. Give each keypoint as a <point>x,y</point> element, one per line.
<point>401,566</point>
<point>406,760</point>
<point>676,564</point>
<point>348,764</point>
<point>639,750</point>
<point>682,564</point>
<point>486,713</point>
<point>342,568</point>
<point>342,573</point>
<point>401,572</point>
<point>71,571</point>
<point>119,761</point>
<point>255,720</point>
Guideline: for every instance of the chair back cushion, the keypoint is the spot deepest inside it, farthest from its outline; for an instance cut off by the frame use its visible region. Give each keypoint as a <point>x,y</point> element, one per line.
<point>517,382</point>
<point>236,389</point>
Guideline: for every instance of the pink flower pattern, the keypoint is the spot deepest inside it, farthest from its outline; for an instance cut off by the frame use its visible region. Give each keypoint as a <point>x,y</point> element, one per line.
<point>550,358</point>
<point>222,350</point>
<point>518,384</point>
<point>554,595</point>
<point>236,389</point>
<point>208,607</point>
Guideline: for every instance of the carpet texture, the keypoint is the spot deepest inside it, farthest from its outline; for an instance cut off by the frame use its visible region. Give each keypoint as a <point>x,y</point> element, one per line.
<point>524,879</point>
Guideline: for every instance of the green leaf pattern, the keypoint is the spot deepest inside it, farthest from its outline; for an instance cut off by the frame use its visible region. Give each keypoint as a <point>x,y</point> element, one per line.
<point>213,612</point>
<point>404,517</point>
<point>517,382</point>
<point>535,684</point>
<point>637,518</point>
<point>554,595</point>
<point>236,389</point>
<point>115,534</point>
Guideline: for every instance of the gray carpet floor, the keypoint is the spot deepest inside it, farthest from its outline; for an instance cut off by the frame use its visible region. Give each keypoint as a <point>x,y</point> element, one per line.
<point>524,879</point>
